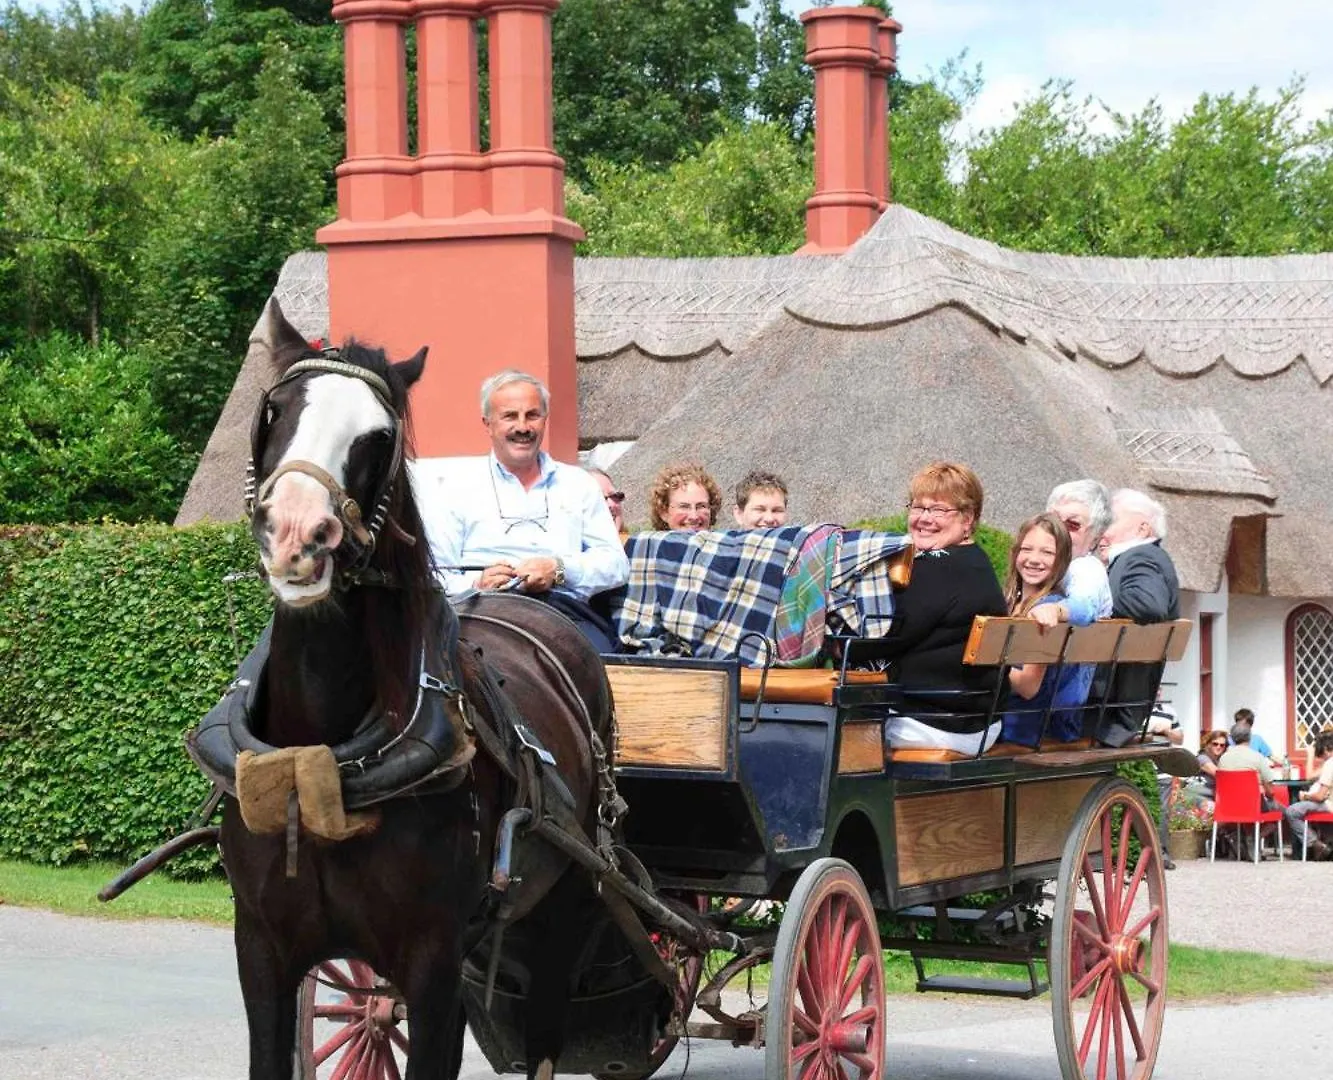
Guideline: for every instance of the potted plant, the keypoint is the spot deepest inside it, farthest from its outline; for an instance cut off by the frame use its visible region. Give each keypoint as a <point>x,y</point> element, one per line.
<point>1189,825</point>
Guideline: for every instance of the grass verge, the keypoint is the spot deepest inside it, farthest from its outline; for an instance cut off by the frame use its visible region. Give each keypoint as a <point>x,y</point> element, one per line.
<point>72,890</point>
<point>1193,974</point>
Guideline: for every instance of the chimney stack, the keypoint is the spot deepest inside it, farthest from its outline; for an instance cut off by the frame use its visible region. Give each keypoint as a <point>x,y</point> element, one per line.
<point>853,51</point>
<point>467,251</point>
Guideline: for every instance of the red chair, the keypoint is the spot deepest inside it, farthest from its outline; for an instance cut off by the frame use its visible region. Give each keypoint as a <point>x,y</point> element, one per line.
<point>1238,804</point>
<point>1315,817</point>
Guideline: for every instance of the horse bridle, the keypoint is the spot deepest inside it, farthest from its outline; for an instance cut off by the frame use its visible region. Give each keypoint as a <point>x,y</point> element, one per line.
<point>357,533</point>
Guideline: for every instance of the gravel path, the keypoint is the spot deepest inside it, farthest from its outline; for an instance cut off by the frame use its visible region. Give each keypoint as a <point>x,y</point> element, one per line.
<point>1269,908</point>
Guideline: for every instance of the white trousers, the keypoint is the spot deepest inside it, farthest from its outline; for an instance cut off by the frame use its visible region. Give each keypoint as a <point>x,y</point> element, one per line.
<point>905,733</point>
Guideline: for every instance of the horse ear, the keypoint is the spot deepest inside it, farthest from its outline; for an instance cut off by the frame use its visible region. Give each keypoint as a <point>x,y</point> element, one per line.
<point>284,340</point>
<point>409,370</point>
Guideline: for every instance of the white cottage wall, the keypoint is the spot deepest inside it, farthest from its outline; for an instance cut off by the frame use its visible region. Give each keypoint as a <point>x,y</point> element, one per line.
<point>1182,679</point>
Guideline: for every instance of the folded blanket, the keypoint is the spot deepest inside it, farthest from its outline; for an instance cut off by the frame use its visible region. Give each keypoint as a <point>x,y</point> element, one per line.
<point>719,594</point>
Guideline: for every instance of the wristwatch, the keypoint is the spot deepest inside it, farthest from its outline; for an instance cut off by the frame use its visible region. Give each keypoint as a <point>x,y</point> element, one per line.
<point>559,578</point>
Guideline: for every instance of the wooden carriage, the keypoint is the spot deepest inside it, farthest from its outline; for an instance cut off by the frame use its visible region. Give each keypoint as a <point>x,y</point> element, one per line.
<point>750,784</point>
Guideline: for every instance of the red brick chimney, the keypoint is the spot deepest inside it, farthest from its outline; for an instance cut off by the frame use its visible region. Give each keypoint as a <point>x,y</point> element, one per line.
<point>466,251</point>
<point>853,51</point>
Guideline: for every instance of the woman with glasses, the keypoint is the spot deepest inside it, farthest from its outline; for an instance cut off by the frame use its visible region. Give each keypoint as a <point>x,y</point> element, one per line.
<point>684,496</point>
<point>952,582</point>
<point>1203,788</point>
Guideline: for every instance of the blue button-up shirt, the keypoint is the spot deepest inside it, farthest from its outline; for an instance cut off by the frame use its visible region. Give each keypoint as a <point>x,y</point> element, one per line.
<point>477,513</point>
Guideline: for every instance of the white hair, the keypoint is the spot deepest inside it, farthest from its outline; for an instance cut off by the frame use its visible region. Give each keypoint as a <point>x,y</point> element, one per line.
<point>1136,502</point>
<point>504,378</point>
<point>1091,494</point>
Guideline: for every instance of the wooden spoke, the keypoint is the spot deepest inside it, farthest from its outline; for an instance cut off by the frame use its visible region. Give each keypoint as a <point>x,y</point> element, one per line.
<point>359,1031</point>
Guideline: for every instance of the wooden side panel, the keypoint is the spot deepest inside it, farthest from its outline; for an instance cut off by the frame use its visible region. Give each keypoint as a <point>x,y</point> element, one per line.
<point>862,748</point>
<point>671,718</point>
<point>949,835</point>
<point>1044,814</point>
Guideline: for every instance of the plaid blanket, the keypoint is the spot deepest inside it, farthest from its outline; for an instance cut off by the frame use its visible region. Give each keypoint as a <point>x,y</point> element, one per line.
<point>725,594</point>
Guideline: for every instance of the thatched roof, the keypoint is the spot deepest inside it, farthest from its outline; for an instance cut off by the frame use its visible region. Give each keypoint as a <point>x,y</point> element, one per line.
<point>1204,380</point>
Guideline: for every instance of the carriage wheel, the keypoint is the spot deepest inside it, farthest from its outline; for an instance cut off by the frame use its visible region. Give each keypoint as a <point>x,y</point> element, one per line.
<point>350,1025</point>
<point>826,992</point>
<point>689,968</point>
<point>1108,943</point>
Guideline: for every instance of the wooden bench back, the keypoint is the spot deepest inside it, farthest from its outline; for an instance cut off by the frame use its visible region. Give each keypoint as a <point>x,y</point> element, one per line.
<point>1005,640</point>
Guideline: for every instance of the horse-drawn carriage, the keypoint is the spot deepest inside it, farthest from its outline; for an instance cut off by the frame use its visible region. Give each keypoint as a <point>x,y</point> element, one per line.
<point>572,873</point>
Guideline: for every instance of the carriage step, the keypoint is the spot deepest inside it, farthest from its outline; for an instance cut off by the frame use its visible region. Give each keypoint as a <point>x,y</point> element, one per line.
<point>966,984</point>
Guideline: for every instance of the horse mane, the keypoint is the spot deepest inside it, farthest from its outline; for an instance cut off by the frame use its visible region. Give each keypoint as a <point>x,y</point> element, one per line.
<point>398,619</point>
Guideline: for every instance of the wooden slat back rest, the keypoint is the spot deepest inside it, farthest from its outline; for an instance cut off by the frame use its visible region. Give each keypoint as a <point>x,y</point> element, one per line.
<point>1022,641</point>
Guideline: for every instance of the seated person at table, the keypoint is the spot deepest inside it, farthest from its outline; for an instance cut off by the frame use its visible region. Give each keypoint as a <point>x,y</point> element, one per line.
<point>761,501</point>
<point>1037,565</point>
<point>952,581</point>
<point>1242,756</point>
<point>1201,790</point>
<point>1315,799</point>
<point>684,496</point>
<point>1257,742</point>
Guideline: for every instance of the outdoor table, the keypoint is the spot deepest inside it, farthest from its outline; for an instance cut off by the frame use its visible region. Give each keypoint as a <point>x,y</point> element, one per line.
<point>1293,786</point>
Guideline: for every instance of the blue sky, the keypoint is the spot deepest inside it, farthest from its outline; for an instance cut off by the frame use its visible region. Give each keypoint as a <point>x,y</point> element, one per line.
<point>1122,52</point>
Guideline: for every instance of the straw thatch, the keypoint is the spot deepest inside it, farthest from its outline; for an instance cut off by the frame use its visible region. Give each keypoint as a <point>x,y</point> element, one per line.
<point>1205,381</point>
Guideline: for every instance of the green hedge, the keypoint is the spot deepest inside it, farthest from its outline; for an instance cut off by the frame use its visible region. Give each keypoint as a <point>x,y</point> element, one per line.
<point>114,641</point>
<point>994,542</point>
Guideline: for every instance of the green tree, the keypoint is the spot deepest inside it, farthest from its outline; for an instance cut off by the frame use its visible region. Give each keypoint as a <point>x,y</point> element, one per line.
<point>646,81</point>
<point>82,182</point>
<point>743,194</point>
<point>248,202</point>
<point>199,66</point>
<point>72,44</point>
<point>81,437</point>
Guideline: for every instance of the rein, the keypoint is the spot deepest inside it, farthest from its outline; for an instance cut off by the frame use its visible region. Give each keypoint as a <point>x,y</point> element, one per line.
<point>360,537</point>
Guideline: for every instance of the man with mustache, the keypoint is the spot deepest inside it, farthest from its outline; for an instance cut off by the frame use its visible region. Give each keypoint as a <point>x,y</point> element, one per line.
<point>517,519</point>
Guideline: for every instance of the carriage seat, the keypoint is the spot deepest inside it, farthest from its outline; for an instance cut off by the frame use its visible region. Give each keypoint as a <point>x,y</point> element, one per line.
<point>1005,641</point>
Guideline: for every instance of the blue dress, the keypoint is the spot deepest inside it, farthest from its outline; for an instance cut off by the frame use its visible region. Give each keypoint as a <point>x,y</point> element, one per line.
<point>1064,693</point>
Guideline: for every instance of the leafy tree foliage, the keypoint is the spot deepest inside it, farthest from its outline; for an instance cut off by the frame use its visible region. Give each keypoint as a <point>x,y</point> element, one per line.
<point>644,81</point>
<point>743,194</point>
<point>199,65</point>
<point>81,436</point>
<point>74,45</point>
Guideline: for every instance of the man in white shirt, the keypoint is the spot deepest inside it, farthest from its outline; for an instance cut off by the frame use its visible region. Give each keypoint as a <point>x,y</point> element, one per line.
<point>516,518</point>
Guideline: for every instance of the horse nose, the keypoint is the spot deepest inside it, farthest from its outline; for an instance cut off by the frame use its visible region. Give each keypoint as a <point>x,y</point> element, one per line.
<point>325,534</point>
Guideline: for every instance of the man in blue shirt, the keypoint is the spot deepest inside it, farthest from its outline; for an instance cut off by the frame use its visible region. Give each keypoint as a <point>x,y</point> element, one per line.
<point>1257,741</point>
<point>516,518</point>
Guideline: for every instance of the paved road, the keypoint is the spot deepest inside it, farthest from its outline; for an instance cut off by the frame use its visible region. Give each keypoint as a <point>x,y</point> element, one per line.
<point>82,998</point>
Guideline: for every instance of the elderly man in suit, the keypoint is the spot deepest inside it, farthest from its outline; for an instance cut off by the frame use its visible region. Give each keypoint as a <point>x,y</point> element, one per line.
<point>1143,588</point>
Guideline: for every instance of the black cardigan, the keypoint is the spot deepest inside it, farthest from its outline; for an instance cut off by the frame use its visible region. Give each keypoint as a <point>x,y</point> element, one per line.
<point>932,620</point>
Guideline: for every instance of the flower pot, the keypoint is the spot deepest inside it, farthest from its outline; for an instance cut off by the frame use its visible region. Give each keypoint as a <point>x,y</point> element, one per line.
<point>1187,844</point>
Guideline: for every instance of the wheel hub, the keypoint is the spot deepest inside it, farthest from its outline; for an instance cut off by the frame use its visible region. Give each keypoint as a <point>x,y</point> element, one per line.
<point>1126,954</point>
<point>839,1037</point>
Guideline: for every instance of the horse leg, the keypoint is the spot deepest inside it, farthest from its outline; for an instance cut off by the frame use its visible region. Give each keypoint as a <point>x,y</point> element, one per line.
<point>433,992</point>
<point>270,1003</point>
<point>556,940</point>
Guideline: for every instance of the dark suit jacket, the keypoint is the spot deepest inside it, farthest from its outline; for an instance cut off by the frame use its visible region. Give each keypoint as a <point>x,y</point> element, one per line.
<point>1143,588</point>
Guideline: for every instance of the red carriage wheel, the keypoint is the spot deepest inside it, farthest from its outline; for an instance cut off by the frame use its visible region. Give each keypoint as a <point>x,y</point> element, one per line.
<point>1108,947</point>
<point>350,1025</point>
<point>826,993</point>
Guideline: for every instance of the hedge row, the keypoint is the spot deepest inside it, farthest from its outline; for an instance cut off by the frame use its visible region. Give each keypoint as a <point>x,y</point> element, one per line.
<point>114,641</point>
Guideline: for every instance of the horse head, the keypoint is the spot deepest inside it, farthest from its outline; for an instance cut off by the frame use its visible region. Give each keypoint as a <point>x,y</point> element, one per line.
<point>326,466</point>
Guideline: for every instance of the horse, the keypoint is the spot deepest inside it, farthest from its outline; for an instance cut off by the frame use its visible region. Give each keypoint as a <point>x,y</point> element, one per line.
<point>360,635</point>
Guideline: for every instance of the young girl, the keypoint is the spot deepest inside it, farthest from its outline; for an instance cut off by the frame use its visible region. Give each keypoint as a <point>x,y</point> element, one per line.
<point>1037,565</point>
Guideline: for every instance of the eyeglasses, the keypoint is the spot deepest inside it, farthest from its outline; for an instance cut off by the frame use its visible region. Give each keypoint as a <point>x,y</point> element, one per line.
<point>1217,742</point>
<point>686,508</point>
<point>615,496</point>
<point>509,521</point>
<point>931,512</point>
